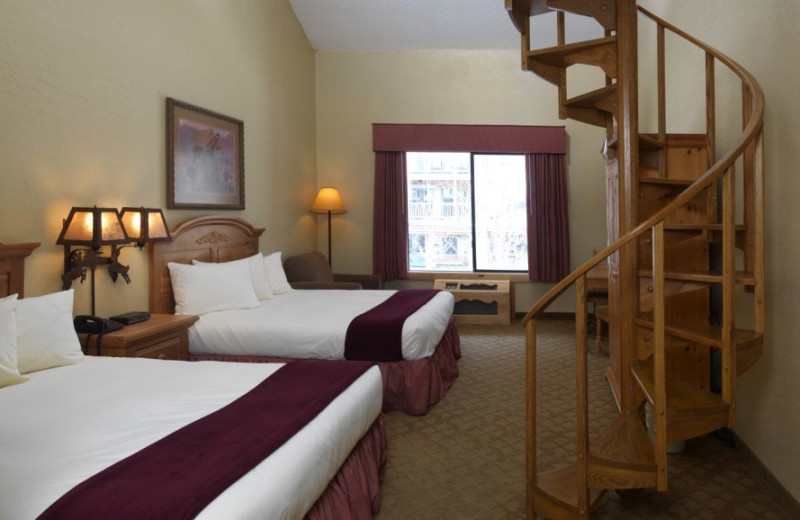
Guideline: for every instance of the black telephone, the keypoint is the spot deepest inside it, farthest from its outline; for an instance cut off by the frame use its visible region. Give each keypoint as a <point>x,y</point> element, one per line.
<point>94,325</point>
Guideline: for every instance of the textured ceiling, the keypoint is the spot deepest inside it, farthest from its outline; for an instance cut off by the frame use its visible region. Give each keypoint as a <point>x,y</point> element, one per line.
<point>394,25</point>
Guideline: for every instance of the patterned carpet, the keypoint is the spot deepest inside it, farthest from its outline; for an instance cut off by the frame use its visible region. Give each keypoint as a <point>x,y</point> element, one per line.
<point>465,458</point>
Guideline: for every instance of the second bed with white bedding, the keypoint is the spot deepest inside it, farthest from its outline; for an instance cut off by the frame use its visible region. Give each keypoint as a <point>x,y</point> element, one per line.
<point>312,324</point>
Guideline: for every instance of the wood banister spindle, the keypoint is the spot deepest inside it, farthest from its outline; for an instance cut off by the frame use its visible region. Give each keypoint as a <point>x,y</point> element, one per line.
<point>659,357</point>
<point>662,97</point>
<point>729,292</point>
<point>748,179</point>
<point>609,81</point>
<point>530,415</point>
<point>759,225</point>
<point>562,79</point>
<point>711,110</point>
<point>582,383</point>
<point>525,42</point>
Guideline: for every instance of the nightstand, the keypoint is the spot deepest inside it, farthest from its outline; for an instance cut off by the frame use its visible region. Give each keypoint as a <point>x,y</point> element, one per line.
<point>163,336</point>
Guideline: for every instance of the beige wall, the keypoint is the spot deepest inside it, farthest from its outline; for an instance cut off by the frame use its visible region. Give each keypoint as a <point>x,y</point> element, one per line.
<point>449,87</point>
<point>82,90</point>
<point>763,37</point>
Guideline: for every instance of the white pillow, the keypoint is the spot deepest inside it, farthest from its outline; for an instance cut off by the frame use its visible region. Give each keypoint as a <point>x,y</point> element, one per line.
<point>257,274</point>
<point>9,373</point>
<point>204,288</point>
<point>275,274</point>
<point>46,337</point>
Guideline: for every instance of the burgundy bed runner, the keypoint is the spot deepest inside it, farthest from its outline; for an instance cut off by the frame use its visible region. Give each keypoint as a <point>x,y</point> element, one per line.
<point>377,335</point>
<point>179,475</point>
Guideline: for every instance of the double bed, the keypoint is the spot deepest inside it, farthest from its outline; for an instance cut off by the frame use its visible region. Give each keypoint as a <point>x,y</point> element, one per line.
<point>71,425</point>
<point>307,323</point>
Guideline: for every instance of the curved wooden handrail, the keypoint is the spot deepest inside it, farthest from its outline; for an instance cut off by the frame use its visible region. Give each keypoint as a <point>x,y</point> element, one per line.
<point>754,124</point>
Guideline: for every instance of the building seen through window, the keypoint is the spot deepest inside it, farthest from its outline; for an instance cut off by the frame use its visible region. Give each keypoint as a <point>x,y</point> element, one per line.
<point>466,212</point>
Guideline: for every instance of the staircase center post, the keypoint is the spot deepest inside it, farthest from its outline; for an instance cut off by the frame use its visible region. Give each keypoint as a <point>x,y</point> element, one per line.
<point>623,215</point>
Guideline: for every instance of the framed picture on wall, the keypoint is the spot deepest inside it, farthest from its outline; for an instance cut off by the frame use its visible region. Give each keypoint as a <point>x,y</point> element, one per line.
<point>205,158</point>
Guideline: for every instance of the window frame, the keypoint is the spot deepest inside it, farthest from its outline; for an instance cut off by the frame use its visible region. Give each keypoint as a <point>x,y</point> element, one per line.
<point>502,274</point>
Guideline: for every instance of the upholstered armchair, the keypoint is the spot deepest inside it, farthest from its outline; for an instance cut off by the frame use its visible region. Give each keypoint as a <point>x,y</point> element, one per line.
<point>311,271</point>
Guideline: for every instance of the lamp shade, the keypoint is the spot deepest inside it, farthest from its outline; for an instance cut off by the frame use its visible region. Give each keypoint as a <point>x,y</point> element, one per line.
<point>145,225</point>
<point>328,199</point>
<point>93,227</point>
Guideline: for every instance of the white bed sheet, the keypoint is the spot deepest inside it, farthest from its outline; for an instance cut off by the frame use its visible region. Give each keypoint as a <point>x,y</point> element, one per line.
<point>312,324</point>
<point>68,423</point>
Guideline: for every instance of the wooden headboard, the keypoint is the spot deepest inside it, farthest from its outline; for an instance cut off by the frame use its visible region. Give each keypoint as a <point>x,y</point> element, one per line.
<point>12,267</point>
<point>208,239</point>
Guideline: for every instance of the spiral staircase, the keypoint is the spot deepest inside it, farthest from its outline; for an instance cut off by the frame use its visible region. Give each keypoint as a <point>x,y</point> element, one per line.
<point>671,199</point>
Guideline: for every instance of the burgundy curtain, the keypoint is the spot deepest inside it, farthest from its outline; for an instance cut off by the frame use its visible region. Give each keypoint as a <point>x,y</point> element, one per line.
<point>390,226</point>
<point>468,138</point>
<point>548,225</point>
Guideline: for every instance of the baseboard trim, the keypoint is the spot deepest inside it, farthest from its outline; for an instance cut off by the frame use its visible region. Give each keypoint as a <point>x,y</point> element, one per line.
<point>567,316</point>
<point>782,496</point>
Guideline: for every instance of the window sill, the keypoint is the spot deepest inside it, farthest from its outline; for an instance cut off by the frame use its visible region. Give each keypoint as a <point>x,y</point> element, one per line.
<point>433,275</point>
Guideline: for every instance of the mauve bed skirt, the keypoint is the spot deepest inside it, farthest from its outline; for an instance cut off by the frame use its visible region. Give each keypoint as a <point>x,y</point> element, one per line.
<point>410,386</point>
<point>354,493</point>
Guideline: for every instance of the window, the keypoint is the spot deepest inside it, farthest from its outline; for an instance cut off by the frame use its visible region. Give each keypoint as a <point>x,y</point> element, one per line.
<point>436,212</point>
<point>466,212</point>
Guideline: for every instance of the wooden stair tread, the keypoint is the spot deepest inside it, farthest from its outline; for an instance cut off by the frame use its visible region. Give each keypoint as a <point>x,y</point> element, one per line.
<point>593,107</point>
<point>690,410</point>
<point>646,142</point>
<point>603,11</point>
<point>681,397</point>
<point>625,444</point>
<point>671,288</point>
<point>666,181</point>
<point>560,486</point>
<point>701,227</point>
<point>742,277</point>
<point>590,99</point>
<point>519,10</point>
<point>563,56</point>
<point>678,231</point>
<point>702,334</point>
<point>649,142</point>
<point>529,7</point>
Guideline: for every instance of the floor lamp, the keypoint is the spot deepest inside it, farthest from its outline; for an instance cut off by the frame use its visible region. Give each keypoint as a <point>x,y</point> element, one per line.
<point>328,201</point>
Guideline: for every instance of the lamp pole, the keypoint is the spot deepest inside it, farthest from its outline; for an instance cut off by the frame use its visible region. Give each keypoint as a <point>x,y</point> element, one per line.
<point>330,258</point>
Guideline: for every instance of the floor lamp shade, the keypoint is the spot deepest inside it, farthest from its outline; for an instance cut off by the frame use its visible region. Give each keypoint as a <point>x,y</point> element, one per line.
<point>328,201</point>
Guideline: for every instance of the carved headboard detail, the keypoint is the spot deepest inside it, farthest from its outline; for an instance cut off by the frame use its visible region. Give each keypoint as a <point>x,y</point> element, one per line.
<point>208,239</point>
<point>12,267</point>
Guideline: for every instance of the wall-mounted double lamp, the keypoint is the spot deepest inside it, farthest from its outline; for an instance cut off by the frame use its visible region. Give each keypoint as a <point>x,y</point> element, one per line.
<point>92,228</point>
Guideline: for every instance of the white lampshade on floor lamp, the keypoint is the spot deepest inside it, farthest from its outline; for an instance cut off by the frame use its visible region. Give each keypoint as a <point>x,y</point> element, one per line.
<point>328,201</point>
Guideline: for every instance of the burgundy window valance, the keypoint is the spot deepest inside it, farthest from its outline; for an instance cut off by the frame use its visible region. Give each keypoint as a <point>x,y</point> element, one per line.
<point>468,138</point>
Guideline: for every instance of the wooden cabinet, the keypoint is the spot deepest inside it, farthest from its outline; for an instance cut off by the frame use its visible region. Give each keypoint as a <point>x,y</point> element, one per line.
<point>163,336</point>
<point>480,301</point>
